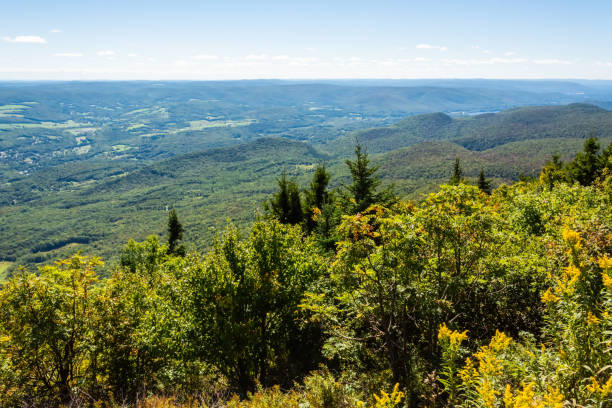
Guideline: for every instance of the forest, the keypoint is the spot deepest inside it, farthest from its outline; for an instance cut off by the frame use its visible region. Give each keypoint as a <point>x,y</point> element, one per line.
<point>348,296</point>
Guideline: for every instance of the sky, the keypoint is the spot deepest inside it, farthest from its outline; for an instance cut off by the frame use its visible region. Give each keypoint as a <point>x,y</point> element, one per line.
<point>227,39</point>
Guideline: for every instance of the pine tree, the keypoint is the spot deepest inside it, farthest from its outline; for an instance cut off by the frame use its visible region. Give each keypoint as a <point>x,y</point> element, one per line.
<point>362,192</point>
<point>296,214</point>
<point>587,165</point>
<point>483,184</point>
<point>457,177</point>
<point>317,196</point>
<point>175,234</point>
<point>553,172</point>
<point>286,205</point>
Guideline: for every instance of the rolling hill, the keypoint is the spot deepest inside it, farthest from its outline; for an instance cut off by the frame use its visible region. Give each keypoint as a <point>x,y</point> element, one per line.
<point>481,132</point>
<point>97,203</point>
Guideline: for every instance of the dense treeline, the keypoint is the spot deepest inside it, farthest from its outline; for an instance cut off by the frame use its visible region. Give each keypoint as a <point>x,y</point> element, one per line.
<point>472,297</point>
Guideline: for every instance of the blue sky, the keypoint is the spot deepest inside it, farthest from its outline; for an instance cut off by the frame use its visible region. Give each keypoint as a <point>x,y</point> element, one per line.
<point>134,39</point>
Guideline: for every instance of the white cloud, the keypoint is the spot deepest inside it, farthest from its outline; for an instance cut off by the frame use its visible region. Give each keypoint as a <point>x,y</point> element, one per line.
<point>432,47</point>
<point>56,30</point>
<point>32,39</point>
<point>489,61</point>
<point>510,54</point>
<point>106,53</point>
<point>205,57</point>
<point>68,54</point>
<point>551,61</point>
<point>421,59</point>
<point>256,57</point>
<point>280,57</point>
<point>132,55</point>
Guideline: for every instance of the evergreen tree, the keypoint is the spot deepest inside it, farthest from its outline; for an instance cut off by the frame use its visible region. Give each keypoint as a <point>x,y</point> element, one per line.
<point>362,192</point>
<point>553,172</point>
<point>483,184</point>
<point>286,205</point>
<point>457,177</point>
<point>317,196</point>
<point>587,165</point>
<point>296,214</point>
<point>175,234</point>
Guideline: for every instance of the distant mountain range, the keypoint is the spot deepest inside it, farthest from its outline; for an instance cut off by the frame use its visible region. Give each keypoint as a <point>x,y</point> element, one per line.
<point>88,166</point>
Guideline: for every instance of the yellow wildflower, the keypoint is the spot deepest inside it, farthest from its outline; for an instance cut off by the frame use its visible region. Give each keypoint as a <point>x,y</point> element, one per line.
<point>549,297</point>
<point>572,238</point>
<point>605,262</point>
<point>488,364</point>
<point>316,213</point>
<point>455,337</point>
<point>553,399</point>
<point>388,400</point>
<point>594,386</point>
<point>499,342</point>
<point>508,397</point>
<point>487,393</point>
<point>443,332</point>
<point>592,319</point>
<point>607,280</point>
<point>524,397</point>
<point>607,387</point>
<point>572,273</point>
<point>468,373</point>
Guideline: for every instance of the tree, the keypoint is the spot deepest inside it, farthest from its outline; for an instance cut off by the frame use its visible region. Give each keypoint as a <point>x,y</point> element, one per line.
<point>286,204</point>
<point>361,193</point>
<point>316,197</point>
<point>245,306</point>
<point>587,165</point>
<point>175,234</point>
<point>553,172</point>
<point>483,184</point>
<point>45,327</point>
<point>457,177</point>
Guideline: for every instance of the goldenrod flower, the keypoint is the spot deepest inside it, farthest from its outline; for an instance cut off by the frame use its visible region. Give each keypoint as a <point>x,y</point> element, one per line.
<point>508,397</point>
<point>500,341</point>
<point>468,373</point>
<point>605,262</point>
<point>553,399</point>
<point>549,297</point>
<point>572,238</point>
<point>455,337</point>
<point>592,319</point>
<point>607,280</point>
<point>487,393</point>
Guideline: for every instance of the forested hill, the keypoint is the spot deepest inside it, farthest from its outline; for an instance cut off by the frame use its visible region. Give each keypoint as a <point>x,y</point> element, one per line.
<point>99,202</point>
<point>99,214</point>
<point>481,132</point>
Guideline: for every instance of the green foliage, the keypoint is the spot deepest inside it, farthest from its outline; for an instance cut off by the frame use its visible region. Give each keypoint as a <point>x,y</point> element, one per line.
<point>46,322</point>
<point>483,183</point>
<point>286,204</point>
<point>553,172</point>
<point>244,301</point>
<point>457,177</point>
<point>363,190</point>
<point>175,234</point>
<point>316,197</point>
<point>586,167</point>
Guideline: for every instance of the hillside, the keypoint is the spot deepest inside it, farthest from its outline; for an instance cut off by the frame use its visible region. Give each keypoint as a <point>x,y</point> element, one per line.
<point>45,124</point>
<point>206,188</point>
<point>58,210</point>
<point>481,132</point>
